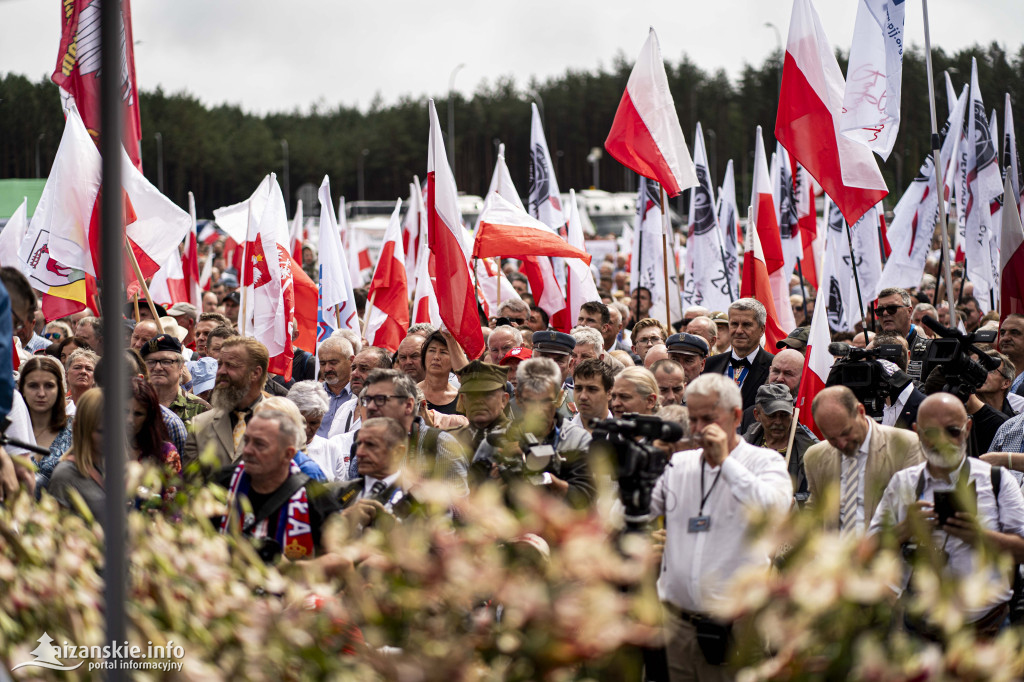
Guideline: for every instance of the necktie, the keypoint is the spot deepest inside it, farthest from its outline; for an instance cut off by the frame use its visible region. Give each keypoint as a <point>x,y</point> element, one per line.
<point>848,500</point>
<point>376,489</point>
<point>239,430</point>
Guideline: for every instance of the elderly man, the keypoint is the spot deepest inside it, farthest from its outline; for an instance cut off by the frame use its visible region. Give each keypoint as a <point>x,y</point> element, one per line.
<point>1011,344</point>
<point>162,355</point>
<point>207,323</point>
<point>484,402</point>
<point>693,312</point>
<point>635,390</point>
<point>185,315</point>
<point>143,332</point>
<point>558,348</point>
<point>646,334</point>
<point>773,420</point>
<point>995,392</point>
<point>913,497</point>
<point>336,367</point>
<point>671,379</point>
<point>502,339</point>
<point>91,329</point>
<point>705,328</point>
<point>241,374</point>
<point>851,469</point>
<point>288,510</point>
<point>592,380</point>
<point>748,364</point>
<point>919,313</point>
<point>787,368</point>
<point>379,488</point>
<point>311,400</point>
<point>589,344</point>
<point>690,351</point>
<point>656,353</point>
<point>707,496</point>
<point>612,337</point>
<point>409,357</point>
<point>567,476</point>
<point>516,311</point>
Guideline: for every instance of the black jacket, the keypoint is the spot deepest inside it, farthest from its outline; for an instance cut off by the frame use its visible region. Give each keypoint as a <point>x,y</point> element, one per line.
<point>758,374</point>
<point>802,440</point>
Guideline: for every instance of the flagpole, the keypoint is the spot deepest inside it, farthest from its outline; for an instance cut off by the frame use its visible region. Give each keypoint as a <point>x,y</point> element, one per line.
<point>142,283</point>
<point>243,310</point>
<point>803,286</point>
<point>665,223</point>
<point>792,434</point>
<point>640,251</point>
<point>366,317</point>
<point>939,180</point>
<point>136,301</point>
<point>856,280</point>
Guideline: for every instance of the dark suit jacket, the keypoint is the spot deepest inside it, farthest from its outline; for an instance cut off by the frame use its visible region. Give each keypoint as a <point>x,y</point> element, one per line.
<point>758,374</point>
<point>908,417</point>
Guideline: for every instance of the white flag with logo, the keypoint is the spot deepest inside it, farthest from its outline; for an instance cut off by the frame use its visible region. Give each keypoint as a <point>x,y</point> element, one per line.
<point>706,280</point>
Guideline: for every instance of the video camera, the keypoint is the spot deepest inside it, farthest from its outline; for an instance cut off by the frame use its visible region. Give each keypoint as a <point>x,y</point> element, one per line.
<point>638,464</point>
<point>519,454</point>
<point>872,375</point>
<point>951,354</point>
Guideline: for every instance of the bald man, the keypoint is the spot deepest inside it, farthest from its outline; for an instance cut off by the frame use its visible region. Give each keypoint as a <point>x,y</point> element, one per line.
<point>657,352</point>
<point>851,468</point>
<point>787,367</point>
<point>944,431</point>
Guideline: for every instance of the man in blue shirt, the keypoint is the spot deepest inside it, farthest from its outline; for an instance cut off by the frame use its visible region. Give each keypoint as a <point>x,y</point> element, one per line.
<point>336,365</point>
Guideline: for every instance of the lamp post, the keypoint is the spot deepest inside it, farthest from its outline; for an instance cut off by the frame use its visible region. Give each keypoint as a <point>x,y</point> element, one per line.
<point>451,117</point>
<point>287,191</point>
<point>361,165</point>
<point>782,54</point>
<point>39,160</point>
<point>159,162</point>
<point>594,157</point>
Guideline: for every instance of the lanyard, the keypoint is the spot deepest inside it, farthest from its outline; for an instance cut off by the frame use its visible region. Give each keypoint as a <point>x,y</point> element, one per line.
<point>703,497</point>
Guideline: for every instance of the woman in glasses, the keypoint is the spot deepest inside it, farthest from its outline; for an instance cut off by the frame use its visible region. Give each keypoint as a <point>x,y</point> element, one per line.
<point>81,375</point>
<point>57,331</point>
<point>42,385</point>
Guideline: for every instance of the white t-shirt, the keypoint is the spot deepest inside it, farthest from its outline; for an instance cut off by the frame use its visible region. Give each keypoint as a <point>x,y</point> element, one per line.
<point>330,456</point>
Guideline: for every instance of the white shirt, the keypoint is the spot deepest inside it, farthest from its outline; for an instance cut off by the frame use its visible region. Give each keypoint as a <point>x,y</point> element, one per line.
<point>344,417</point>
<point>330,456</point>
<point>369,481</point>
<point>577,420</point>
<point>21,425</point>
<point>696,567</point>
<point>891,413</point>
<point>1016,402</point>
<point>343,443</point>
<point>901,493</point>
<point>749,358</point>
<point>862,464</point>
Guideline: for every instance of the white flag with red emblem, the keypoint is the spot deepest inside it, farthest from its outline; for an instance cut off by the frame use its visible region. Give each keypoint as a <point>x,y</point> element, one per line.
<point>646,135</point>
<point>456,296</point>
<point>388,297</point>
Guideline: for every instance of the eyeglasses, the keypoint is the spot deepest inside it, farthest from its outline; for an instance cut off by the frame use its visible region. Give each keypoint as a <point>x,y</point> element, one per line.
<point>378,400</point>
<point>649,341</point>
<point>888,309</point>
<point>955,431</point>
<point>54,336</point>
<point>161,362</point>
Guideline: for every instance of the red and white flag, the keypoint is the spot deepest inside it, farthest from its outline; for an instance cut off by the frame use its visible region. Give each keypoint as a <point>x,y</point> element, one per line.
<point>706,282</point>
<point>424,301</point>
<point>808,121</point>
<point>508,230</point>
<point>388,297</point>
<point>414,231</point>
<point>756,284</point>
<point>1011,261</point>
<point>1011,159</point>
<point>456,296</point>
<point>645,134</point>
<point>807,221</point>
<point>580,285</point>
<point>337,300</point>
<point>168,284</point>
<point>78,70</point>
<point>729,223</point>
<point>190,259</point>
<point>765,218</point>
<point>296,234</point>
<point>818,362</point>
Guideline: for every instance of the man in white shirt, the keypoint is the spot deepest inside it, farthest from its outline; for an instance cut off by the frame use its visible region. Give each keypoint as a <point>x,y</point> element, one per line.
<point>943,427</point>
<point>707,496</point>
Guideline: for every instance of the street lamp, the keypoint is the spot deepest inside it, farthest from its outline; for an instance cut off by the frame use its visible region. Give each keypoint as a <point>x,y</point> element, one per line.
<point>159,162</point>
<point>39,163</point>
<point>287,195</point>
<point>451,118</point>
<point>782,54</point>
<point>361,163</point>
<point>594,157</point>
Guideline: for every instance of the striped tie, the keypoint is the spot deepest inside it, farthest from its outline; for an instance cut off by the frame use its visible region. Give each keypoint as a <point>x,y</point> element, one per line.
<point>848,503</point>
<point>238,432</point>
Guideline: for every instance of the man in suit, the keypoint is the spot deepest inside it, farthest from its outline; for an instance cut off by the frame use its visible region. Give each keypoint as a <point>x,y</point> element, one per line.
<point>747,363</point>
<point>241,374</point>
<point>380,487</point>
<point>849,472</point>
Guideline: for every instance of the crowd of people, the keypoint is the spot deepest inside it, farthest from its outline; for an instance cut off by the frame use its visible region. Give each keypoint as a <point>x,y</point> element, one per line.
<point>359,431</point>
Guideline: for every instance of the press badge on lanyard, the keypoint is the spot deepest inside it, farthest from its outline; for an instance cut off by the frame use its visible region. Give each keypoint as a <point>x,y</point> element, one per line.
<point>701,523</point>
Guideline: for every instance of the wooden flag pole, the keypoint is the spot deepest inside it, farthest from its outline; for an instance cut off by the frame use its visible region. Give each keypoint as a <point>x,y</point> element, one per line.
<point>142,283</point>
<point>792,434</point>
<point>243,309</point>
<point>136,301</point>
<point>366,316</point>
<point>665,223</point>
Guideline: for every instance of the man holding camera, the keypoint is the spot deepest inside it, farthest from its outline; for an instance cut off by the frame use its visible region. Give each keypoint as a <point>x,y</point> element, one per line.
<point>962,502</point>
<point>485,403</point>
<point>540,447</point>
<point>707,496</point>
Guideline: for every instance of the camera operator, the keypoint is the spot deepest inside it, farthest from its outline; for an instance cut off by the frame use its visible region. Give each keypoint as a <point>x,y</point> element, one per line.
<point>985,419</point>
<point>539,436</point>
<point>983,507</point>
<point>706,496</point>
<point>995,392</point>
<point>900,410</point>
<point>893,312</point>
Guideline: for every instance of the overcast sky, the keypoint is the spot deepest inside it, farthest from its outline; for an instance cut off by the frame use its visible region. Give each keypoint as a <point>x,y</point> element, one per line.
<point>284,54</point>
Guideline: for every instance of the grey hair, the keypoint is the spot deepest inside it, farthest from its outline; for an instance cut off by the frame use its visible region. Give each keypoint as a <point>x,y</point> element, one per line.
<point>926,308</point>
<point>393,431</point>
<point>589,335</point>
<point>310,397</point>
<point>352,337</point>
<point>339,342</point>
<point>290,423</point>
<point>751,305</point>
<point>421,329</point>
<point>383,357</point>
<point>622,308</point>
<point>84,353</point>
<point>896,291</point>
<point>708,324</point>
<point>717,386</point>
<point>514,305</point>
<point>401,383</point>
<point>539,375</point>
<point>517,336</point>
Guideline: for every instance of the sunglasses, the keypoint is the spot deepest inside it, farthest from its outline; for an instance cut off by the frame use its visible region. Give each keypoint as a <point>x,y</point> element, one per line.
<point>888,309</point>
<point>53,336</point>
<point>955,431</point>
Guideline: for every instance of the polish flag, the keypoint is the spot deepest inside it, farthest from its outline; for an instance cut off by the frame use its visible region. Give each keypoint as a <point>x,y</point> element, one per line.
<point>756,284</point>
<point>455,293</point>
<point>337,302</point>
<point>414,230</point>
<point>489,278</point>
<point>646,136</point>
<point>1011,256</point>
<point>807,220</point>
<point>765,219</point>
<point>507,230</point>
<point>168,284</point>
<point>389,291</point>
<point>295,235</point>
<point>424,306</point>
<point>580,285</point>
<point>818,362</point>
<point>190,259</point>
<point>810,107</point>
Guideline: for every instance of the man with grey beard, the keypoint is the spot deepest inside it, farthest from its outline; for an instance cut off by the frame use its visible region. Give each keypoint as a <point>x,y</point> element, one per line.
<point>919,494</point>
<point>218,433</point>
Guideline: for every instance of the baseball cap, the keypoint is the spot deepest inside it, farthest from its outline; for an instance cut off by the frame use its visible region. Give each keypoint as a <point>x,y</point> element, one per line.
<point>515,355</point>
<point>772,398</point>
<point>182,309</point>
<point>797,339</point>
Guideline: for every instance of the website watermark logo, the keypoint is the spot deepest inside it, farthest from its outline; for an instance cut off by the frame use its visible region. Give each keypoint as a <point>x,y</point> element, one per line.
<point>113,656</point>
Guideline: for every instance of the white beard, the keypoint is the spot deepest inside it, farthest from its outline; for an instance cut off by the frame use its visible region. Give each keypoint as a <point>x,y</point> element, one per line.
<point>947,457</point>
